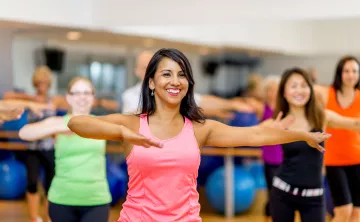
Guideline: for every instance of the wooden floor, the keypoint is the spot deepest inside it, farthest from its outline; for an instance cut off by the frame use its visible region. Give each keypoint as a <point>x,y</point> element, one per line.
<point>16,211</point>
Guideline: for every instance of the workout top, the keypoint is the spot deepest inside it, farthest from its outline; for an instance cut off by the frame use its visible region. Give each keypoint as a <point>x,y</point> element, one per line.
<point>271,154</point>
<point>131,98</point>
<point>302,165</point>
<point>343,147</point>
<point>80,171</point>
<point>162,181</point>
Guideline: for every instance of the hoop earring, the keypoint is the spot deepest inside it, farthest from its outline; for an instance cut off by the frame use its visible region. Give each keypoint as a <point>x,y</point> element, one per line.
<point>152,92</point>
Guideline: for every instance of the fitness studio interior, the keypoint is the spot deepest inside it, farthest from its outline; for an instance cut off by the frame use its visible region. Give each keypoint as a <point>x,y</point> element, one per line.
<point>249,61</point>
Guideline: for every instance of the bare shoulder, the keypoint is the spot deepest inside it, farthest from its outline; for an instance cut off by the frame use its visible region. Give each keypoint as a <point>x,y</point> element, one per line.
<point>202,130</point>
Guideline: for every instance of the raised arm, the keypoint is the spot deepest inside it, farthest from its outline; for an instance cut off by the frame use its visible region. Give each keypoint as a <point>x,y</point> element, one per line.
<point>226,136</point>
<point>335,120</point>
<point>110,127</point>
<point>43,129</point>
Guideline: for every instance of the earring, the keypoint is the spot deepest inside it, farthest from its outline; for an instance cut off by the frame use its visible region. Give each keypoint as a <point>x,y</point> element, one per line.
<point>152,92</point>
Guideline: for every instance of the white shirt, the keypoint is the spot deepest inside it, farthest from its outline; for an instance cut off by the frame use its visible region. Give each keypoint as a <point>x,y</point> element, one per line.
<point>131,99</point>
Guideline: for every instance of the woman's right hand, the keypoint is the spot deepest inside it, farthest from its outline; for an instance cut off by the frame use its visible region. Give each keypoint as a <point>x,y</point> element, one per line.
<point>138,139</point>
<point>315,138</point>
<point>10,114</point>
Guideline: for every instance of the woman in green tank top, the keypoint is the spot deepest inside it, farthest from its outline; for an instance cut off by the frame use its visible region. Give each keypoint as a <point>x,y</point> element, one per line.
<point>79,191</point>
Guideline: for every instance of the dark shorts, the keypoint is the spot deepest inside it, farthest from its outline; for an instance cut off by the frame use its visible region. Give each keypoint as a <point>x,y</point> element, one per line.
<point>65,213</point>
<point>344,184</point>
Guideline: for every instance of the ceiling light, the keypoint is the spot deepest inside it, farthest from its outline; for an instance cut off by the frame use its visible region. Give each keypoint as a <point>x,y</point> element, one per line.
<point>73,35</point>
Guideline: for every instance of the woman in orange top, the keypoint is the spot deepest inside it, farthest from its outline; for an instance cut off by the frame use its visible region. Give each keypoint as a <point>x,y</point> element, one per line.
<point>342,156</point>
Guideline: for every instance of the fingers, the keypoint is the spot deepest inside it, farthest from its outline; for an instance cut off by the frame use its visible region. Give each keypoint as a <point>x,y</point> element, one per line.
<point>150,142</point>
<point>278,117</point>
<point>325,136</point>
<point>320,148</point>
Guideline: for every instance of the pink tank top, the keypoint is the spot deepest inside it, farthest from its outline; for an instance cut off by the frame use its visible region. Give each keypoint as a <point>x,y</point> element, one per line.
<point>162,181</point>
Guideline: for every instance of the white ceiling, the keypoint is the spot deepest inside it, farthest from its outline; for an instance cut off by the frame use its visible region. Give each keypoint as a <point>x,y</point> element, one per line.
<point>200,12</point>
<point>296,27</point>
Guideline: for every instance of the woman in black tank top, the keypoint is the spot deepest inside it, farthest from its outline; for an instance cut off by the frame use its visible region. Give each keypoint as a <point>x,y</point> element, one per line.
<point>297,186</point>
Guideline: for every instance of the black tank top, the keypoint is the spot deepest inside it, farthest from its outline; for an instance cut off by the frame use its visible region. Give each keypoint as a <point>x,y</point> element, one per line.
<point>302,165</point>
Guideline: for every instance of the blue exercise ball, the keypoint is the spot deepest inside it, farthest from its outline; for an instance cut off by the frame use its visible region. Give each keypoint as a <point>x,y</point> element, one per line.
<point>123,166</point>
<point>257,171</point>
<point>244,189</point>
<point>208,164</point>
<point>117,181</point>
<point>13,179</point>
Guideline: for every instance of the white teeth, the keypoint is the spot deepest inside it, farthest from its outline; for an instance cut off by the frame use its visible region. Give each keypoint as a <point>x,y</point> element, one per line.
<point>173,90</point>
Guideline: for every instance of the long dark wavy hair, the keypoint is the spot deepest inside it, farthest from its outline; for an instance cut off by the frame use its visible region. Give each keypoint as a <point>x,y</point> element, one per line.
<point>337,83</point>
<point>188,107</point>
<point>313,111</point>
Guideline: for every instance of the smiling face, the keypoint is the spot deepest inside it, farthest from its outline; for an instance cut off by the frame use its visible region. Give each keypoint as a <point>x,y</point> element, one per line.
<point>350,74</point>
<point>80,96</point>
<point>170,84</point>
<point>297,91</point>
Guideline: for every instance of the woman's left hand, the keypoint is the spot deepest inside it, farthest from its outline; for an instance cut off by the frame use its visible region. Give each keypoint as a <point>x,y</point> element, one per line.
<point>283,123</point>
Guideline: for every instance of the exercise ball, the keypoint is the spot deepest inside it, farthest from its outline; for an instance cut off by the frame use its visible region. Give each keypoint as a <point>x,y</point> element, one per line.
<point>257,171</point>
<point>244,189</point>
<point>117,181</point>
<point>123,166</point>
<point>13,180</point>
<point>208,164</point>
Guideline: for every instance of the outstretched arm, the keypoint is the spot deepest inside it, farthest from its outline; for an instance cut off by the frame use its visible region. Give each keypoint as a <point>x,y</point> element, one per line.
<point>214,106</point>
<point>110,127</point>
<point>266,134</point>
<point>18,95</point>
<point>335,120</point>
<point>43,129</point>
<point>35,107</point>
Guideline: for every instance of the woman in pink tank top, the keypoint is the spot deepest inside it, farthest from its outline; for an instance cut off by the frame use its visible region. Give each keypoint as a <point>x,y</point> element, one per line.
<point>163,142</point>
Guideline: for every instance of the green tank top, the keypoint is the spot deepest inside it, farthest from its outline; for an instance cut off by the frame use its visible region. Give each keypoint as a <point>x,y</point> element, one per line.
<point>80,171</point>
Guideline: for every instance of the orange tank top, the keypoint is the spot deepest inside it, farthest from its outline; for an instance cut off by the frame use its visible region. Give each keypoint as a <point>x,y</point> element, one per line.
<point>343,147</point>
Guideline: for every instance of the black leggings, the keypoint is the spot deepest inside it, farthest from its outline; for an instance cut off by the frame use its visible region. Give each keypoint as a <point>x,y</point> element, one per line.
<point>34,160</point>
<point>284,205</point>
<point>270,171</point>
<point>65,213</point>
<point>344,184</point>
